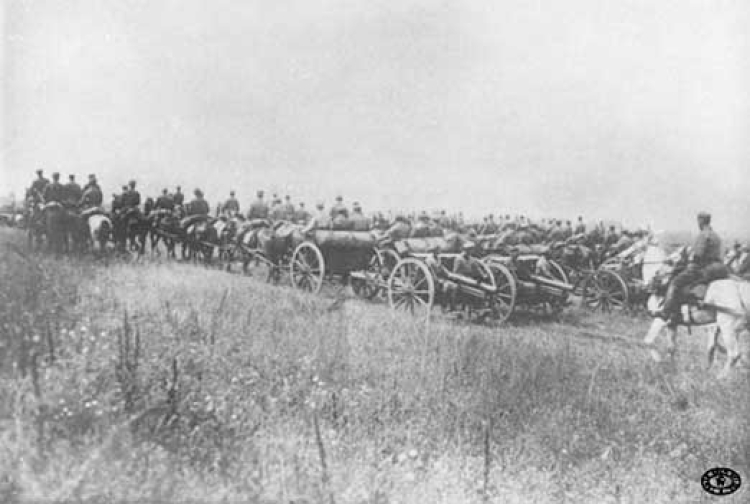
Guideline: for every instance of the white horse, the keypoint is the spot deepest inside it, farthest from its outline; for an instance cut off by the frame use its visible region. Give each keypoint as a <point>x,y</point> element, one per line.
<point>725,308</point>
<point>100,231</point>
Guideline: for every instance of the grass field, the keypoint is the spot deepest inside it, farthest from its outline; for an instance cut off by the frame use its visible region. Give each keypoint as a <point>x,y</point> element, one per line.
<point>163,382</point>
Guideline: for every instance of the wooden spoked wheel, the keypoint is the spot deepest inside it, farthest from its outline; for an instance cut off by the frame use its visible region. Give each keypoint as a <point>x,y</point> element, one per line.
<point>411,287</point>
<point>605,291</point>
<point>307,268</point>
<point>506,290</point>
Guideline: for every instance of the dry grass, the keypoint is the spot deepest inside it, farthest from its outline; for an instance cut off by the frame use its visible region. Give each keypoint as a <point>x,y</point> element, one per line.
<point>165,382</point>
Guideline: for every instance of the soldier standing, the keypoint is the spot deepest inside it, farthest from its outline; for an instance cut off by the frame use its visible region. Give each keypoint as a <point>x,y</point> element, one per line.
<point>339,209</point>
<point>54,191</point>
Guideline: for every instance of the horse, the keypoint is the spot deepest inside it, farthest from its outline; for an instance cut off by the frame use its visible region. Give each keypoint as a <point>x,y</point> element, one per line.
<point>130,229</point>
<point>165,226</point>
<point>99,228</point>
<point>200,237</point>
<point>258,238</point>
<point>724,306</point>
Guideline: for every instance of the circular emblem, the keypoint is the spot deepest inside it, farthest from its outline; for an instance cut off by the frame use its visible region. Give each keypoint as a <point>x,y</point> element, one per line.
<point>721,481</point>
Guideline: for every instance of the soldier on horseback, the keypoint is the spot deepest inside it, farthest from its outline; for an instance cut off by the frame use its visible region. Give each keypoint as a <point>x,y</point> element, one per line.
<point>54,191</point>
<point>231,206</point>
<point>703,265</point>
<point>92,194</point>
<point>38,186</point>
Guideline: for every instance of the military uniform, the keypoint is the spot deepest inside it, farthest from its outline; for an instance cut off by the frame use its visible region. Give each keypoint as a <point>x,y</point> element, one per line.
<point>38,187</point>
<point>54,191</point>
<point>706,254</point>
<point>400,230</point>
<point>164,202</point>
<point>359,222</point>
<point>198,206</point>
<point>339,209</point>
<point>92,195</point>
<point>288,210</point>
<point>301,216</point>
<point>258,210</point>
<point>178,198</point>
<point>231,205</point>
<point>73,193</point>
<point>131,199</point>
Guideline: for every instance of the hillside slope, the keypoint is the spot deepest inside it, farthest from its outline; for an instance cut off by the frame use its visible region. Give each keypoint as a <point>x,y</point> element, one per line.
<point>158,381</point>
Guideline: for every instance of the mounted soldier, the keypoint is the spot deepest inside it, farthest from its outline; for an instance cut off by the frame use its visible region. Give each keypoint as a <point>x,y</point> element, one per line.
<point>131,197</point>
<point>231,206</point>
<point>92,194</point>
<point>73,192</point>
<point>259,208</point>
<point>54,191</point>
<point>705,264</point>
<point>38,186</point>
<point>178,197</point>
<point>165,201</point>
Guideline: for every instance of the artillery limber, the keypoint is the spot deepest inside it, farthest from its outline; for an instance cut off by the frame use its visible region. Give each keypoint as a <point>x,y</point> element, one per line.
<point>347,256</point>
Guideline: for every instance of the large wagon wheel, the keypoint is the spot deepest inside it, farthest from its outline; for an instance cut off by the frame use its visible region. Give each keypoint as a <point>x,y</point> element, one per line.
<point>504,299</point>
<point>307,268</point>
<point>605,290</point>
<point>411,287</point>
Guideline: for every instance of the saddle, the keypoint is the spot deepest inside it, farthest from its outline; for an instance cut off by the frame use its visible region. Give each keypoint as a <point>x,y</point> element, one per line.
<point>89,212</point>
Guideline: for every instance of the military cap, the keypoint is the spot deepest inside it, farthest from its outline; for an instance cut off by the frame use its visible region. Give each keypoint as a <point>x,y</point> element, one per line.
<point>198,193</point>
<point>356,205</point>
<point>704,216</point>
<point>55,175</point>
<point>92,176</point>
<point>231,193</point>
<point>320,204</point>
<point>71,177</point>
<point>259,194</point>
<point>39,171</point>
<point>339,198</point>
<point>179,187</point>
<point>124,188</point>
<point>131,183</point>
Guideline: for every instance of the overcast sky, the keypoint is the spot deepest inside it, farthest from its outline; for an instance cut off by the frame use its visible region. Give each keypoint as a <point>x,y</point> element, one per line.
<point>638,110</point>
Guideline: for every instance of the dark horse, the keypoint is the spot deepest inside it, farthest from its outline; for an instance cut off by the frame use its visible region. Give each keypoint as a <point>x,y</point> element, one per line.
<point>165,226</point>
<point>272,244</point>
<point>200,237</point>
<point>130,228</point>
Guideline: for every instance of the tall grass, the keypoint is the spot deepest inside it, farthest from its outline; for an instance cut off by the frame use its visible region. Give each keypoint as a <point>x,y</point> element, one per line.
<point>167,382</point>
